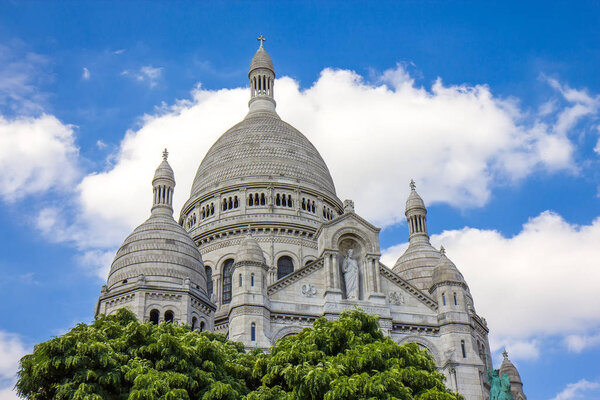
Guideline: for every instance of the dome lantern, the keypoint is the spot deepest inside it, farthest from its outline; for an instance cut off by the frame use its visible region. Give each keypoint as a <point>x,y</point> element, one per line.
<point>262,80</point>
<point>416,214</point>
<point>163,186</point>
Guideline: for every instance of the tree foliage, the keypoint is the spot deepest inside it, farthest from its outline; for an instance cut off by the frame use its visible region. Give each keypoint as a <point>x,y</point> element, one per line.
<point>117,357</point>
<point>347,359</point>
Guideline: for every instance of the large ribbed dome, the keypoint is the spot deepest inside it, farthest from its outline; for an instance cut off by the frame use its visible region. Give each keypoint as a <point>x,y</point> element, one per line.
<point>161,251</point>
<point>259,148</point>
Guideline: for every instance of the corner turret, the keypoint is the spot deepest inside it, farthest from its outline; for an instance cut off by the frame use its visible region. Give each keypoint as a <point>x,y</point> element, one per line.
<point>249,314</point>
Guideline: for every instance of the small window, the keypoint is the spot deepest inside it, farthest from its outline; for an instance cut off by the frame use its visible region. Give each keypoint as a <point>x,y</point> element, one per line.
<point>464,350</point>
<point>194,323</point>
<point>227,271</point>
<point>252,280</point>
<point>263,201</point>
<point>124,281</point>
<point>154,316</point>
<point>285,266</point>
<point>253,332</point>
<point>240,276</point>
<point>209,280</point>
<point>444,298</point>
<point>455,301</point>
<point>169,316</point>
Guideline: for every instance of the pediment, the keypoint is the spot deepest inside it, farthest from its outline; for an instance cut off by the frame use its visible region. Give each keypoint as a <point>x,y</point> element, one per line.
<point>295,276</point>
<point>330,233</point>
<point>404,288</point>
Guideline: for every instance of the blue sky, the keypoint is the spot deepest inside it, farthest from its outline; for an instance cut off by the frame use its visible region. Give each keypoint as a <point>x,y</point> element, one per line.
<point>491,106</point>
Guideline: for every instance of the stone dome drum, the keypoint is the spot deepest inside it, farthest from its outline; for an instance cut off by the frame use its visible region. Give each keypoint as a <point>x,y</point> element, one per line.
<point>259,148</point>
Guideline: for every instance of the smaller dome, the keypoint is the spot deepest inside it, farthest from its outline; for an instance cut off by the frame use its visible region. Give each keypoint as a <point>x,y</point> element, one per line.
<point>507,367</point>
<point>261,59</point>
<point>414,201</point>
<point>164,170</point>
<point>446,271</point>
<point>249,250</point>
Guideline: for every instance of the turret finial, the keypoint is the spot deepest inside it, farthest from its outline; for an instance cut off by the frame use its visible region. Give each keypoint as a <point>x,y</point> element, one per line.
<point>412,185</point>
<point>505,354</point>
<point>165,154</point>
<point>261,38</point>
<point>442,251</point>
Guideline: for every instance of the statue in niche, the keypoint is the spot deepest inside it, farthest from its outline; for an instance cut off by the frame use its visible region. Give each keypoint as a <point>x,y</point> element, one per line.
<point>350,270</point>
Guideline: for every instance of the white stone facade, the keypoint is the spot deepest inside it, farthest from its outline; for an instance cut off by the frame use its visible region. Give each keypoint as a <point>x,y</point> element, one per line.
<point>273,234</point>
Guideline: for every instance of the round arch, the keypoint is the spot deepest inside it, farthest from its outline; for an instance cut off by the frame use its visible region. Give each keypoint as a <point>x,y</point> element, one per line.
<point>287,331</point>
<point>427,344</point>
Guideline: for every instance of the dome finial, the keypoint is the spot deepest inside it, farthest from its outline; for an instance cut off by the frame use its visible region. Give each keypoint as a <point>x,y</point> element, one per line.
<point>261,38</point>
<point>442,251</point>
<point>505,354</point>
<point>165,154</point>
<point>412,184</point>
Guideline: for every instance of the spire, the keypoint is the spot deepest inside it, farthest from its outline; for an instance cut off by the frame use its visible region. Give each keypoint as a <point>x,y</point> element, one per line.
<point>262,79</point>
<point>163,186</point>
<point>416,215</point>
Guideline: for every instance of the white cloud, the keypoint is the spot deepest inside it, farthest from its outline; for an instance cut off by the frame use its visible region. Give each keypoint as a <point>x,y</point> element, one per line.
<point>86,74</point>
<point>577,343</point>
<point>36,154</point>
<point>574,390</point>
<point>540,282</point>
<point>21,73</point>
<point>456,141</point>
<point>12,349</point>
<point>147,73</point>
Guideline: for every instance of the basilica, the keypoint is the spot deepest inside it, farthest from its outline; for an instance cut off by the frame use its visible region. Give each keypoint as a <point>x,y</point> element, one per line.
<point>264,246</point>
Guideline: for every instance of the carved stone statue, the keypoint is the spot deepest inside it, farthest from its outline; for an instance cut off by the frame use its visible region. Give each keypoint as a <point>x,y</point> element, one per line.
<point>350,270</point>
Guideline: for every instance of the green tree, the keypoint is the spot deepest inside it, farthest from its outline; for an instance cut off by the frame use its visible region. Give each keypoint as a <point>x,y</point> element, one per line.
<point>347,359</point>
<point>117,357</point>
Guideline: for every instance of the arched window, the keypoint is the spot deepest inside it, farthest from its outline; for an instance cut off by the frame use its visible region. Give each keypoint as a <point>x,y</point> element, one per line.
<point>253,332</point>
<point>202,326</point>
<point>290,202</point>
<point>463,348</point>
<point>209,281</point>
<point>154,314</point>
<point>308,262</point>
<point>240,284</point>
<point>285,266</point>
<point>277,200</point>
<point>250,200</point>
<point>194,323</point>
<point>444,298</point>
<point>252,280</point>
<point>455,301</point>
<point>169,316</point>
<point>227,266</point>
<point>263,201</point>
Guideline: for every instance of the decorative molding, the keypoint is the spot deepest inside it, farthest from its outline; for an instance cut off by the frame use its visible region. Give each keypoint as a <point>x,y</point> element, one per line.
<point>308,290</point>
<point>392,276</point>
<point>399,327</point>
<point>395,298</point>
<point>288,318</point>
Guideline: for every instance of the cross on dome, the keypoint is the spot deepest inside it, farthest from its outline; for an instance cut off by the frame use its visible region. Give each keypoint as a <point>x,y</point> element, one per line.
<point>412,185</point>
<point>165,154</point>
<point>442,251</point>
<point>505,354</point>
<point>261,38</point>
